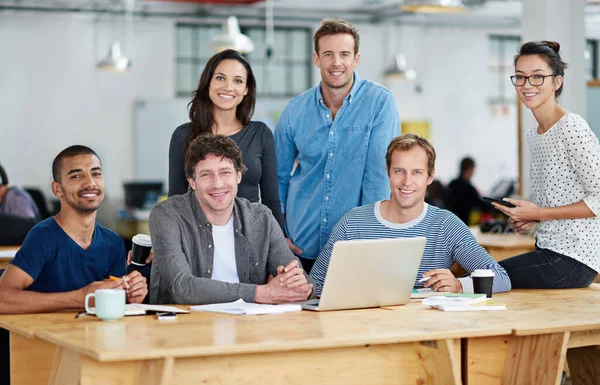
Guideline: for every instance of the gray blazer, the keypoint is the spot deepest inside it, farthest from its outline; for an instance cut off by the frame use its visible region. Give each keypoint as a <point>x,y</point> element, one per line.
<point>183,252</point>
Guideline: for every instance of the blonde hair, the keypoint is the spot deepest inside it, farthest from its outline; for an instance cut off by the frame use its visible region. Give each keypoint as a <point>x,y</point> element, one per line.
<point>407,141</point>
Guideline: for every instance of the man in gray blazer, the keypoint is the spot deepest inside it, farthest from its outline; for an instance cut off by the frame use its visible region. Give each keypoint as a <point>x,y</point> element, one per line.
<point>211,246</point>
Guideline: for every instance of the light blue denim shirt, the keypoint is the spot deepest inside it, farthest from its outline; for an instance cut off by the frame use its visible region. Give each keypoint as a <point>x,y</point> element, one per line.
<point>341,161</point>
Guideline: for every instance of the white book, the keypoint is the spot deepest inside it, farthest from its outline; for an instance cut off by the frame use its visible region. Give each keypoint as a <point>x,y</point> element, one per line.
<point>240,307</point>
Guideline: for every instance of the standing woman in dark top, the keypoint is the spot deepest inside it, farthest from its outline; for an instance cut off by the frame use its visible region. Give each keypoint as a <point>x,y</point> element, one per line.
<point>223,104</point>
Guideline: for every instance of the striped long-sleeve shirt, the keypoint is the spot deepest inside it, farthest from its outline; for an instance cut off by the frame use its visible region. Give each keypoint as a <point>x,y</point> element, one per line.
<point>448,241</point>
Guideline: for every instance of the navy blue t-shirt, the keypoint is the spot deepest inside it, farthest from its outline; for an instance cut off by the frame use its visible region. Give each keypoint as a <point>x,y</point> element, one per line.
<point>58,264</point>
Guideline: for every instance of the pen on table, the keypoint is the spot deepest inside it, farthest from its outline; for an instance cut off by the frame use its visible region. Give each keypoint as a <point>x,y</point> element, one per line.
<point>424,279</point>
<point>80,314</point>
<point>113,278</point>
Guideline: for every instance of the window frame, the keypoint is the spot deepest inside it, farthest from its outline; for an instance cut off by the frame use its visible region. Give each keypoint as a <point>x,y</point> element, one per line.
<point>256,59</point>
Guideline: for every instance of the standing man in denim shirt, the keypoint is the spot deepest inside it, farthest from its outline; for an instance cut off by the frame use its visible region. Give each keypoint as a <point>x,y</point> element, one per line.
<point>338,132</point>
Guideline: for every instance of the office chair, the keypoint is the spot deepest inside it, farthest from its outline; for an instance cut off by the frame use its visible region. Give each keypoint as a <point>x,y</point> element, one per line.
<point>13,229</point>
<point>40,200</point>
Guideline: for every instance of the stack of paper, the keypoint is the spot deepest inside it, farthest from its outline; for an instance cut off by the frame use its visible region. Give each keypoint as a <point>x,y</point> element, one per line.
<point>462,302</point>
<point>240,307</point>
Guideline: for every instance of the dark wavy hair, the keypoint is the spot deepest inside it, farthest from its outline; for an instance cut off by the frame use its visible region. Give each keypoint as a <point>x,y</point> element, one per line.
<point>549,51</point>
<point>201,107</point>
<point>207,144</point>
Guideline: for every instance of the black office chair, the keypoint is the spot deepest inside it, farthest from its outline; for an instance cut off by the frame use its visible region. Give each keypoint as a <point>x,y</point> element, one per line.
<point>13,229</point>
<point>40,200</point>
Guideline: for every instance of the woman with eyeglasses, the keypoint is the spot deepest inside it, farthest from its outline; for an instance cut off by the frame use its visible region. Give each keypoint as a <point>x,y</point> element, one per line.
<point>223,104</point>
<point>565,181</point>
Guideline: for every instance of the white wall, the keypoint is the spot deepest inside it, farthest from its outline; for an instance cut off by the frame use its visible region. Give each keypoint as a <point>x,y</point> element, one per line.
<point>452,74</point>
<point>51,95</point>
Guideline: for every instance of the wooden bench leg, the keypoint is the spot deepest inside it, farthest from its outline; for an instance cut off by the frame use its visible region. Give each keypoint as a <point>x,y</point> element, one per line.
<point>584,365</point>
<point>538,359</point>
<point>440,361</point>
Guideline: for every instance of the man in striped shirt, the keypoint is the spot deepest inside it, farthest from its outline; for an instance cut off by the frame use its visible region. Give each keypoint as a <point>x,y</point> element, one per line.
<point>410,163</point>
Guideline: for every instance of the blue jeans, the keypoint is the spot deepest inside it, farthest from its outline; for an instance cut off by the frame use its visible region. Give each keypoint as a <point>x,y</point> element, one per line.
<point>546,269</point>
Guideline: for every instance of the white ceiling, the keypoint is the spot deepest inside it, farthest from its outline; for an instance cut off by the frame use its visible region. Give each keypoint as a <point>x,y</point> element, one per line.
<point>482,12</point>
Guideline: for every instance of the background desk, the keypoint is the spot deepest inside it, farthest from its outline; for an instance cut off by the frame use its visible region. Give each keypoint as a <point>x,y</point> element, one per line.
<point>4,261</point>
<point>499,246</point>
<point>502,246</point>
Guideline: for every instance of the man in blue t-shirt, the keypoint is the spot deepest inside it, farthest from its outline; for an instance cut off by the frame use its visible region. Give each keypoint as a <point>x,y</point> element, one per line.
<point>65,257</point>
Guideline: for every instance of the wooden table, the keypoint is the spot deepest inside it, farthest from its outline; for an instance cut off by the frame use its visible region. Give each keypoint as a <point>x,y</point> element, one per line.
<point>545,324</point>
<point>399,345</point>
<point>526,344</point>
<point>4,261</point>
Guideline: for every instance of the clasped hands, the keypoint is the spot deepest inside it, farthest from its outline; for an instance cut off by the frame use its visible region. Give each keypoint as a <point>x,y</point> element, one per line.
<point>290,285</point>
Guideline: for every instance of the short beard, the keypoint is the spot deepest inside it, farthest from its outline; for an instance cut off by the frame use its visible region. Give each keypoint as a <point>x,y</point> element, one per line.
<point>80,208</point>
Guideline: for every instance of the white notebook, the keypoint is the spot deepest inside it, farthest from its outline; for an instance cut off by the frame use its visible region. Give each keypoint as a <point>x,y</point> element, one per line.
<point>142,309</point>
<point>240,307</point>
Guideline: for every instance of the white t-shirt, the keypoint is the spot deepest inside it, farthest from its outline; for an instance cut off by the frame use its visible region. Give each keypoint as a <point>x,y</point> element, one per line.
<point>565,169</point>
<point>224,266</point>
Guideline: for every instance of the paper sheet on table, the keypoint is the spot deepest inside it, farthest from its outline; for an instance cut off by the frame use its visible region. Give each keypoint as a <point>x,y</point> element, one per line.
<point>240,307</point>
<point>8,253</point>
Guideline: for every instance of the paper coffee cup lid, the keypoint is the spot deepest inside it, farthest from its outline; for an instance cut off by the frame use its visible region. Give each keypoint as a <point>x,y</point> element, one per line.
<point>482,273</point>
<point>142,240</point>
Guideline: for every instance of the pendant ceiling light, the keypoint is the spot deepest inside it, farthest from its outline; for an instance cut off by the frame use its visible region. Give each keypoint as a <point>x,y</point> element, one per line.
<point>433,6</point>
<point>399,69</point>
<point>231,38</point>
<point>114,61</point>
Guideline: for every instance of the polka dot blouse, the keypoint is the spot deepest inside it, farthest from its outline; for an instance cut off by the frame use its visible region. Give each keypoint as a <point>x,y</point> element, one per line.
<point>565,169</point>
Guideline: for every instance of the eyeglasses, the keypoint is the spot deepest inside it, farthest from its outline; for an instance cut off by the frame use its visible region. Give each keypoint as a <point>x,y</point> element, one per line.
<point>534,80</point>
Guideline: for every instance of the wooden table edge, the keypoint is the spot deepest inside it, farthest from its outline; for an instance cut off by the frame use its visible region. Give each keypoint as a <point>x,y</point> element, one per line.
<point>258,348</point>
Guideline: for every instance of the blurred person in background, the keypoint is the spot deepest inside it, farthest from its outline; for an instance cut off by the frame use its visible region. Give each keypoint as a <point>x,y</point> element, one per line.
<point>15,201</point>
<point>461,196</point>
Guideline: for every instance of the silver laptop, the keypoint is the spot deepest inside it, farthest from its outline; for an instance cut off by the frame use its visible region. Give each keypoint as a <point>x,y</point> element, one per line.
<point>370,273</point>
